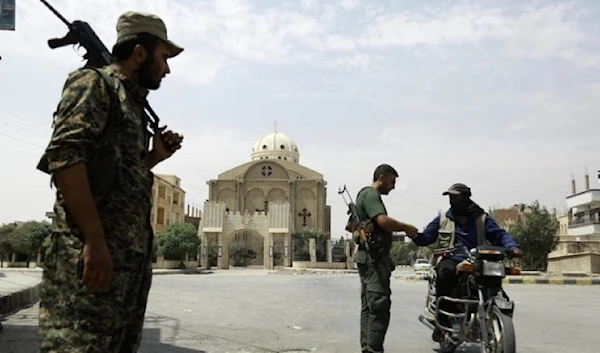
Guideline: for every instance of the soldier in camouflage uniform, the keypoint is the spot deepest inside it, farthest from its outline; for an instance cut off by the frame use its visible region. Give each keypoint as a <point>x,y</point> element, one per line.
<point>375,277</point>
<point>98,261</point>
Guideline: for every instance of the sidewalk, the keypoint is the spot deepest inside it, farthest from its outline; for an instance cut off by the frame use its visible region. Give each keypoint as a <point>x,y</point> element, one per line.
<point>311,271</point>
<point>18,290</point>
<point>20,287</point>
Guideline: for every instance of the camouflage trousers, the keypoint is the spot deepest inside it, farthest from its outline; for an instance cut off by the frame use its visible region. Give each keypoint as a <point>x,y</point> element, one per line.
<point>74,320</point>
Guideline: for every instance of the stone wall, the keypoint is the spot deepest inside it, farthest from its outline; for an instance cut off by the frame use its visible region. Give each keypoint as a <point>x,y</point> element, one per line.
<point>588,262</point>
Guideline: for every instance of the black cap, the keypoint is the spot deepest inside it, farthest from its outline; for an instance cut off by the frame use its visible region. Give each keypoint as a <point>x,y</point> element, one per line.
<point>458,189</point>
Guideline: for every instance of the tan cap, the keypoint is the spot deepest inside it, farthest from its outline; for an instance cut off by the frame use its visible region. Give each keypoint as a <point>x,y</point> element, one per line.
<point>132,22</point>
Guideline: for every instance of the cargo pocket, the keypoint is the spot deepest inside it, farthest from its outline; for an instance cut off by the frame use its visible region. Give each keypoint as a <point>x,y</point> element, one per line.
<point>444,239</point>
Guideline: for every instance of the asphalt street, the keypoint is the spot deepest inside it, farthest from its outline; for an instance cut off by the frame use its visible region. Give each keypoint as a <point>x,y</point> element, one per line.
<point>251,311</point>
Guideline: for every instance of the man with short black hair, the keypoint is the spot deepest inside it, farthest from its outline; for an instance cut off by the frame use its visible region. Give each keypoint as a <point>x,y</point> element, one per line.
<point>464,222</point>
<point>375,278</point>
<point>98,260</point>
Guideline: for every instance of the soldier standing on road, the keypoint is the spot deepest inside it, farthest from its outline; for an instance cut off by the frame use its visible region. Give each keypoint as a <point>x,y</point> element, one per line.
<point>98,261</point>
<point>375,278</point>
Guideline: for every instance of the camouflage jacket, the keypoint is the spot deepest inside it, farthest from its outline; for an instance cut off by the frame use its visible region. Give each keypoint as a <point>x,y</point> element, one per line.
<point>80,118</point>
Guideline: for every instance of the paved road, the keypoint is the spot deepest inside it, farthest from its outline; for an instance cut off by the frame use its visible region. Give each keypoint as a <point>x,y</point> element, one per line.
<point>248,311</point>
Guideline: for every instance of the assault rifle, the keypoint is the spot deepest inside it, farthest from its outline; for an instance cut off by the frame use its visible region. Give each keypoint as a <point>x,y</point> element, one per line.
<point>97,55</point>
<point>354,223</point>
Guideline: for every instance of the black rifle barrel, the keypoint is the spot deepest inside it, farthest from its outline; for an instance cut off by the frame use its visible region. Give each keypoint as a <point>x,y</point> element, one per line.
<point>56,13</point>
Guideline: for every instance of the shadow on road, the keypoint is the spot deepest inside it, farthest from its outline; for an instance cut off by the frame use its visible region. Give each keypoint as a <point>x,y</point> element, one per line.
<point>23,338</point>
<point>463,348</point>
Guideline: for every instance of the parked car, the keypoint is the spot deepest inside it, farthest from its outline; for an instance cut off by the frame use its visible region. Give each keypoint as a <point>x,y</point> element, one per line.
<point>422,265</point>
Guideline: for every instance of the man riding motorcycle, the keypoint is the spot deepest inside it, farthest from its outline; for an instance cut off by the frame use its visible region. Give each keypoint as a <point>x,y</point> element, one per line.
<point>468,224</point>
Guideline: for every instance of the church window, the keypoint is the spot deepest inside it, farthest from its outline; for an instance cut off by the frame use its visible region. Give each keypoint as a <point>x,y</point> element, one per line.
<point>285,158</point>
<point>264,147</point>
<point>279,157</point>
<point>266,170</point>
<point>282,147</point>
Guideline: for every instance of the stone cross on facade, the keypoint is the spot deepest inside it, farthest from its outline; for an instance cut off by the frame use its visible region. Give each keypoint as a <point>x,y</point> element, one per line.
<point>304,215</point>
<point>266,209</point>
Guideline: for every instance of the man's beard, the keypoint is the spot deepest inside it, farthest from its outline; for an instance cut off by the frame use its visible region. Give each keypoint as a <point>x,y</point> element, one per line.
<point>147,75</point>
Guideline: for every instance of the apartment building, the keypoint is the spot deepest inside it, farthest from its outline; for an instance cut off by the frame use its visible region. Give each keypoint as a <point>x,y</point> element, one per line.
<point>578,248</point>
<point>168,201</point>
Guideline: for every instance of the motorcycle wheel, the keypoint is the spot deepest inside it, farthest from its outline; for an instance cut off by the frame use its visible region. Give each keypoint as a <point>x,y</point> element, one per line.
<point>502,331</point>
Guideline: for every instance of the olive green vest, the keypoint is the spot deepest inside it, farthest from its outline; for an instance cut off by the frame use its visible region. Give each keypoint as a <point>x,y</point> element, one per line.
<point>447,231</point>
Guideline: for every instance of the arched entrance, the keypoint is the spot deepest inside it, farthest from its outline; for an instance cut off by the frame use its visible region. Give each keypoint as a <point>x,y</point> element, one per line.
<point>246,248</point>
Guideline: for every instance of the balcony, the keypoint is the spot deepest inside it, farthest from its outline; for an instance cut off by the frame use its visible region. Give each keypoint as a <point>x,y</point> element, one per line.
<point>163,202</point>
<point>589,197</point>
<point>584,228</point>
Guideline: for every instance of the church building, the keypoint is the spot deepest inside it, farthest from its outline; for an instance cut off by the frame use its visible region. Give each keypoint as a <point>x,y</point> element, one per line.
<point>253,209</point>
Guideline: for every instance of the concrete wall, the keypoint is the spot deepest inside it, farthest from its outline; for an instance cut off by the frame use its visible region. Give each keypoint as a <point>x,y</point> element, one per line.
<point>588,262</point>
<point>575,247</point>
<point>161,263</point>
<point>321,265</point>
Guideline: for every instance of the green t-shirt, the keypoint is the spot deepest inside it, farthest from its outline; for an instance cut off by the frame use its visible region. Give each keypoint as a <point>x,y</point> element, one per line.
<point>368,206</point>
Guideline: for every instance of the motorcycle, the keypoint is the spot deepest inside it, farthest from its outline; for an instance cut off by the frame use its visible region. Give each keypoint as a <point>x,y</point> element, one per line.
<point>484,310</point>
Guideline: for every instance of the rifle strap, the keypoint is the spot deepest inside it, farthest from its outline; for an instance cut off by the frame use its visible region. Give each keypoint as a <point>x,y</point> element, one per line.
<point>108,135</point>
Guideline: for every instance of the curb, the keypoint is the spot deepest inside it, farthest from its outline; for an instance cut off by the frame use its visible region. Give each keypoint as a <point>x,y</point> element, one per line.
<point>527,280</point>
<point>187,271</point>
<point>15,301</point>
<point>554,280</point>
<point>308,271</point>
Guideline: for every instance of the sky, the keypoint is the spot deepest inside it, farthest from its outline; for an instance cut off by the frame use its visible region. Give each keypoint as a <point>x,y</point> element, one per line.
<point>499,94</point>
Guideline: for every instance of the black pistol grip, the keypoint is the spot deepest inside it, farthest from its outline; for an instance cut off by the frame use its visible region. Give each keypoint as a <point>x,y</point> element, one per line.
<point>69,39</point>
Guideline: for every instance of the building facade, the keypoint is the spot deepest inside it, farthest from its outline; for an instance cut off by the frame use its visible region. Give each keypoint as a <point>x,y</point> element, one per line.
<point>259,205</point>
<point>578,247</point>
<point>168,202</point>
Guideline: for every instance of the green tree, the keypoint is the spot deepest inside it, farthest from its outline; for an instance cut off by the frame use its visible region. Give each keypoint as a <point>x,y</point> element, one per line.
<point>535,232</point>
<point>177,240</point>
<point>29,236</point>
<point>402,253</point>
<point>238,252</point>
<point>7,241</point>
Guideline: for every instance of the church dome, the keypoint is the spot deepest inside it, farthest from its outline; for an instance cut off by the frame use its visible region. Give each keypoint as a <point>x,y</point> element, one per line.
<point>276,145</point>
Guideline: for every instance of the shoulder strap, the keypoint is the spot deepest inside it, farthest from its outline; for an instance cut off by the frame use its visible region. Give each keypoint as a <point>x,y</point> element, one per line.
<point>107,135</point>
<point>443,219</point>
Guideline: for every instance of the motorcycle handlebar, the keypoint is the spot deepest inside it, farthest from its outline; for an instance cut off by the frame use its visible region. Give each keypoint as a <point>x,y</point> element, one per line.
<point>510,253</point>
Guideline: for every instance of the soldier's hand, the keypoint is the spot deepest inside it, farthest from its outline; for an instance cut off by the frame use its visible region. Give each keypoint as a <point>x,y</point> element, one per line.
<point>165,143</point>
<point>411,231</point>
<point>97,265</point>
